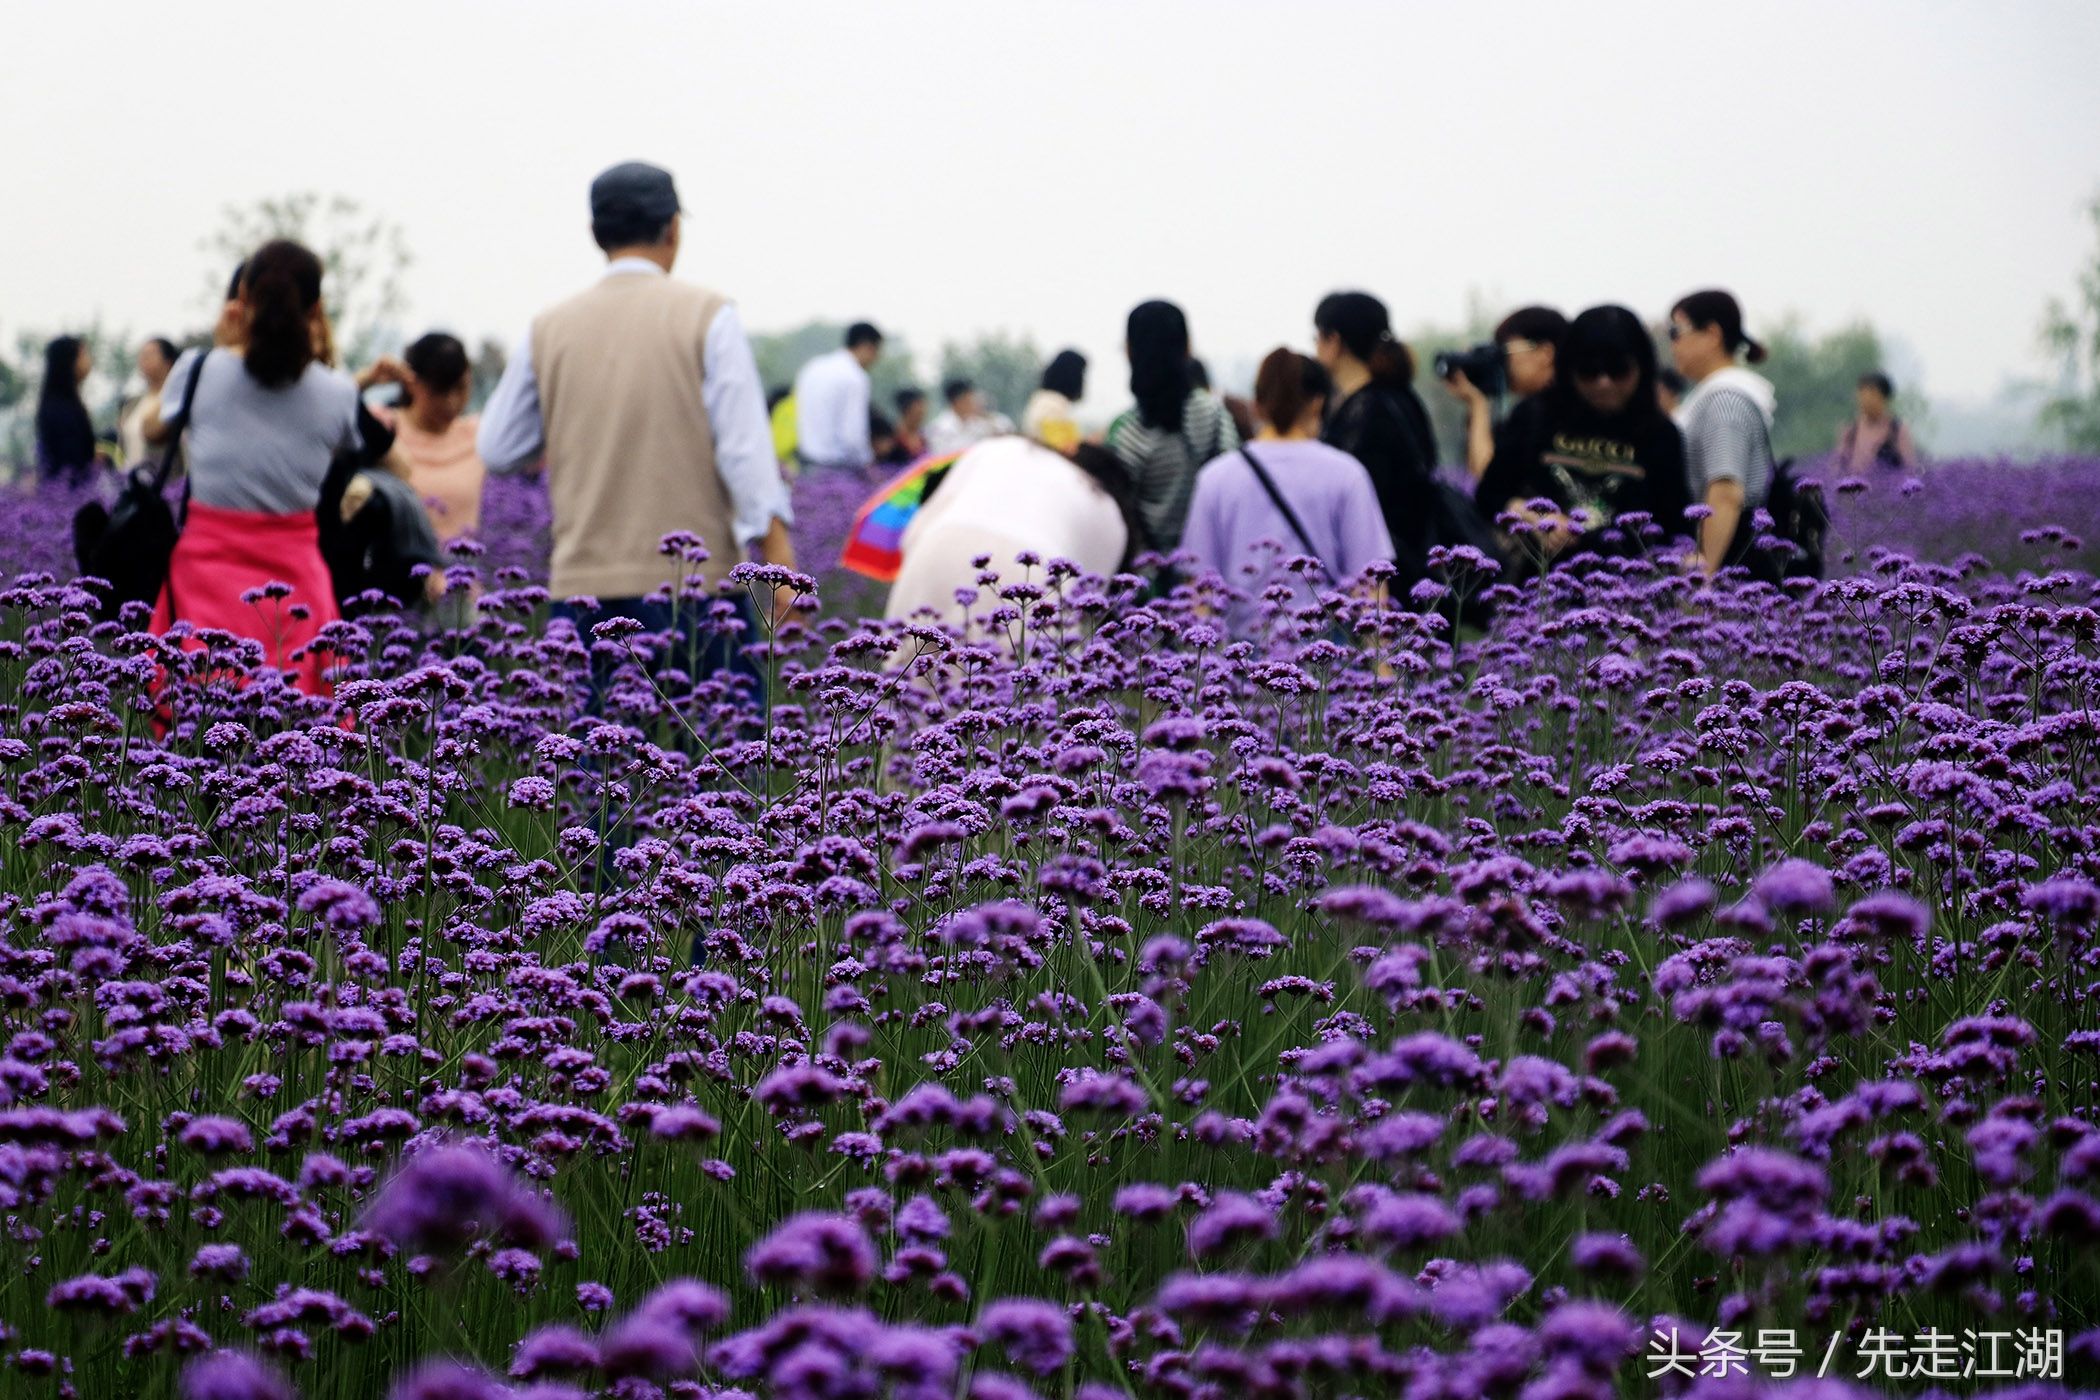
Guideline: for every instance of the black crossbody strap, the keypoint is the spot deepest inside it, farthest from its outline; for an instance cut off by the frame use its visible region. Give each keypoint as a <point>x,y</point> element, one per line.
<point>1290,517</point>
<point>182,421</point>
<point>167,465</point>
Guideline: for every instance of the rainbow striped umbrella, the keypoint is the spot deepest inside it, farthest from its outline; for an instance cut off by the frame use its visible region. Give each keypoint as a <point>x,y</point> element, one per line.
<point>874,546</point>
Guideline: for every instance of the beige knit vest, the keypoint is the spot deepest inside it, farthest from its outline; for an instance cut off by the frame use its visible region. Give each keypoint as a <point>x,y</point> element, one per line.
<point>630,450</point>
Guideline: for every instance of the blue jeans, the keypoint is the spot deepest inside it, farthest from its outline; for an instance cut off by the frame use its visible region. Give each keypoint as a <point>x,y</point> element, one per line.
<point>700,657</point>
<point>715,654</point>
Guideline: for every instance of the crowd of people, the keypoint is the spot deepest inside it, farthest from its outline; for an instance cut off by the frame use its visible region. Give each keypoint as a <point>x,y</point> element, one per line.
<point>640,401</point>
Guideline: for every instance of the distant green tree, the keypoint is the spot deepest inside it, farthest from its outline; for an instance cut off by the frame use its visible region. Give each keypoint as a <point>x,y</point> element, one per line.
<point>364,257</point>
<point>781,355</point>
<point>14,385</point>
<point>2071,332</point>
<point>1814,379</point>
<point>490,360</point>
<point>16,409</point>
<point>1006,369</point>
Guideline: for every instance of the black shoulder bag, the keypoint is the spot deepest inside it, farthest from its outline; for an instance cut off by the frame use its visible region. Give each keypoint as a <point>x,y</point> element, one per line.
<point>130,544</point>
<point>1800,517</point>
<point>346,545</point>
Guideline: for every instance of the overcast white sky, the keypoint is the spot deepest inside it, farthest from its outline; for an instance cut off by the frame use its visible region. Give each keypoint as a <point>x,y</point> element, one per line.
<point>946,168</point>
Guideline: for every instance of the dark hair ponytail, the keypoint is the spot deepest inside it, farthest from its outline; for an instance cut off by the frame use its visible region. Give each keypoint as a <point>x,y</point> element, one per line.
<point>1366,331</point>
<point>1718,308</point>
<point>1392,363</point>
<point>1158,336</point>
<point>282,285</point>
<point>1288,384</point>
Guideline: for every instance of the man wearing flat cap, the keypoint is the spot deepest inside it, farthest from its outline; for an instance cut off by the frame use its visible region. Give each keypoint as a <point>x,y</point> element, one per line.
<point>642,394</point>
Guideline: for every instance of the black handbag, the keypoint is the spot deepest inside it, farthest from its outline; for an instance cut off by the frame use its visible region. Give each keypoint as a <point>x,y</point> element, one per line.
<point>129,544</point>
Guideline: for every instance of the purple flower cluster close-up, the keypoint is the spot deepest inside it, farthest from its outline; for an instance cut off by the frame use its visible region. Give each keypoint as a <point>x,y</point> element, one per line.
<point>1083,1003</point>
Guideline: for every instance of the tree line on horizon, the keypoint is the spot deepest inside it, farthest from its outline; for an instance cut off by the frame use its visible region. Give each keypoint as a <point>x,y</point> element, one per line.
<point>366,257</point>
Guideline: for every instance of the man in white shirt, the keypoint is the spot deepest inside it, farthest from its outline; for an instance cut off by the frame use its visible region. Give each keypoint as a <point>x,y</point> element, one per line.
<point>832,398</point>
<point>966,422</point>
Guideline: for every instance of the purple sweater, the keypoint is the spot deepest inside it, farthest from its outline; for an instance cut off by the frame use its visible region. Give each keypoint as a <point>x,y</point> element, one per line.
<point>1230,517</point>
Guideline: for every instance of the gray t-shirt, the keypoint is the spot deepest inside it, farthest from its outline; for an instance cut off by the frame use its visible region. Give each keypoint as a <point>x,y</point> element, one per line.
<point>257,449</point>
<point>1725,437</point>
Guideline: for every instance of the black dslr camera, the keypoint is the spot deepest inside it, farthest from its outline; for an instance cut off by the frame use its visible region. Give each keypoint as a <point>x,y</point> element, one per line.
<point>1482,365</point>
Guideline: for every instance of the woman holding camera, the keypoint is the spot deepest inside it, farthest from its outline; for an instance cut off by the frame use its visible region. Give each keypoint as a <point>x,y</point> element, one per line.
<point>1596,444</point>
<point>1526,349</point>
<point>1377,418</point>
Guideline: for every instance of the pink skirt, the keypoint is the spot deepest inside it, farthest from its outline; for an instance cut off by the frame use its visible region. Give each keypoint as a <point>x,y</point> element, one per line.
<point>223,554</point>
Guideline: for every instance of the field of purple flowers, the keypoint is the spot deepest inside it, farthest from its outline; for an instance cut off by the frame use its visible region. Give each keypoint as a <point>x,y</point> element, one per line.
<point>1089,1006</point>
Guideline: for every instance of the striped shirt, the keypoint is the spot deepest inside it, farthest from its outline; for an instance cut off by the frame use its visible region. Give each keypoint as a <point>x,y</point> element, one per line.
<point>1163,462</point>
<point>1726,438</point>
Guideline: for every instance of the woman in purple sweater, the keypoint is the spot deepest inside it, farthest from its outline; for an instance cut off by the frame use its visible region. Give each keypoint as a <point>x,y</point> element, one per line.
<point>1285,495</point>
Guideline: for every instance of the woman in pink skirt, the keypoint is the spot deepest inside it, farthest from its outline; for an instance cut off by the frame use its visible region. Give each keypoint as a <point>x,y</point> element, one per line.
<point>266,420</point>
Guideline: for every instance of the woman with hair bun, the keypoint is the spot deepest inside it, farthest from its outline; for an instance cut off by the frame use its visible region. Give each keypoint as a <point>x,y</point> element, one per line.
<point>1285,495</point>
<point>1727,422</point>
<point>265,422</point>
<point>1377,418</point>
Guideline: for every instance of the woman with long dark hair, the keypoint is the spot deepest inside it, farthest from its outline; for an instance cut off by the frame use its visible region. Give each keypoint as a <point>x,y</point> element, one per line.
<point>1285,494</point>
<point>1377,418</point>
<point>266,422</point>
<point>65,436</point>
<point>1596,444</point>
<point>1174,428</point>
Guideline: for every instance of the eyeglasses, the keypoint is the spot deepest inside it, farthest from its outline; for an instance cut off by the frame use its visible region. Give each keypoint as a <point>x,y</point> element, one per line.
<point>1678,330</point>
<point>1517,345</point>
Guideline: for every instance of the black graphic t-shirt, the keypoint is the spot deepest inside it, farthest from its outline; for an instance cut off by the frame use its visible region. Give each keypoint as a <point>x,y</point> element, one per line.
<point>1559,448</point>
